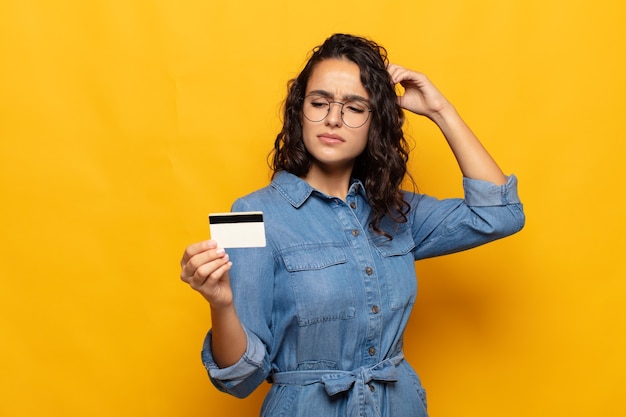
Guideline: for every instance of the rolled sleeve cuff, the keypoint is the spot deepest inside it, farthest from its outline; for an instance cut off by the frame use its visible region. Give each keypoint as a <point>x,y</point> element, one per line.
<point>479,193</point>
<point>250,362</point>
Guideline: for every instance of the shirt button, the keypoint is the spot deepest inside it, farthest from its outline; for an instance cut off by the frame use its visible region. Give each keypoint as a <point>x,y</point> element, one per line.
<point>355,233</point>
<point>353,205</point>
<point>369,271</point>
<point>371,351</point>
<point>375,309</point>
<point>372,388</point>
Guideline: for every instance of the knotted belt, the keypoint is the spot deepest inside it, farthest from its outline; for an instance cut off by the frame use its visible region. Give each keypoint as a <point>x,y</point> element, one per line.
<point>341,381</point>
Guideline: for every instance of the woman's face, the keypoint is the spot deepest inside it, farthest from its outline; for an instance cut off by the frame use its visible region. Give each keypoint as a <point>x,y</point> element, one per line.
<point>332,143</point>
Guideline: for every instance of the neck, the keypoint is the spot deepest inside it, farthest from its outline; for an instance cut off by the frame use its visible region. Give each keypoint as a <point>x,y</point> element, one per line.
<point>334,183</point>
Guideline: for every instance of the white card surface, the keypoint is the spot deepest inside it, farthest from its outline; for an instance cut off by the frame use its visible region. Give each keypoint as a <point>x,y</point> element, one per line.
<point>238,230</point>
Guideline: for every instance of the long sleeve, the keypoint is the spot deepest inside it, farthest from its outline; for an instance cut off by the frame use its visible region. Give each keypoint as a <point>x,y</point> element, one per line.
<point>252,277</point>
<point>488,212</point>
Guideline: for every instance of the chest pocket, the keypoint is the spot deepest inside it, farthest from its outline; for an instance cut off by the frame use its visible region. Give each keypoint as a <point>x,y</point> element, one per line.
<point>321,282</point>
<point>398,265</point>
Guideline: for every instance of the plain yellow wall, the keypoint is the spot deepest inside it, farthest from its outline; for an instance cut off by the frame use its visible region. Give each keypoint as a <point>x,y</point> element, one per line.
<point>124,122</point>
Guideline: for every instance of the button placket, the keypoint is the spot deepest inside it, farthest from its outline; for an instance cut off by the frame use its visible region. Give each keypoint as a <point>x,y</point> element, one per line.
<point>358,234</point>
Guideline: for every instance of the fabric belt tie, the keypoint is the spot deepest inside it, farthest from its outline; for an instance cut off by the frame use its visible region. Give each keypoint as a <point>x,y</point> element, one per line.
<point>341,381</point>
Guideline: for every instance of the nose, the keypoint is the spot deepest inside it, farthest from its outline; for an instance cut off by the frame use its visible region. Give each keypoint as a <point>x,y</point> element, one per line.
<point>334,117</point>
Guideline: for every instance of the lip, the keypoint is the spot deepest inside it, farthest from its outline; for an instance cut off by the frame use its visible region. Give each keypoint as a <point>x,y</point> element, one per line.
<point>330,138</point>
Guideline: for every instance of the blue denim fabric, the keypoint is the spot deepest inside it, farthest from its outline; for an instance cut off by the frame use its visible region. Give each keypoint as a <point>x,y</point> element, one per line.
<point>325,303</point>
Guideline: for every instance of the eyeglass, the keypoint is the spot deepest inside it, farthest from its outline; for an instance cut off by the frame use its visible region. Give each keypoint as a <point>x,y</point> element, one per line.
<point>354,113</point>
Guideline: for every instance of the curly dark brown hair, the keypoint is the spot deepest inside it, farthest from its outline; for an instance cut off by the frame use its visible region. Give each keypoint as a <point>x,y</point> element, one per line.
<point>383,164</point>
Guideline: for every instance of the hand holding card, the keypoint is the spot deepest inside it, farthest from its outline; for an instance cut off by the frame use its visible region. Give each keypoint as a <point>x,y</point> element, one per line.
<point>238,230</point>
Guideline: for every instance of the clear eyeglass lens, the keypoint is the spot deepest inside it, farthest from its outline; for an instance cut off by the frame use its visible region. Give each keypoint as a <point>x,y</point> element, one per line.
<point>353,113</point>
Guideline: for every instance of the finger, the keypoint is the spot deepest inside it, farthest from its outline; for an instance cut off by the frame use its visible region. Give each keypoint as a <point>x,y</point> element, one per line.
<point>197,248</point>
<point>200,259</point>
<point>404,75</point>
<point>190,266</point>
<point>399,74</point>
<point>211,273</point>
<point>393,70</point>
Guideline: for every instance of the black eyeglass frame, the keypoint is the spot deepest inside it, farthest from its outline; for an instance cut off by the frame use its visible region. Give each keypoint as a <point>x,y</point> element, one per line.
<point>330,102</point>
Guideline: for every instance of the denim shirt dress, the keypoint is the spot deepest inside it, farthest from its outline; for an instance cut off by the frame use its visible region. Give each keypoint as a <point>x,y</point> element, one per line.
<point>325,304</point>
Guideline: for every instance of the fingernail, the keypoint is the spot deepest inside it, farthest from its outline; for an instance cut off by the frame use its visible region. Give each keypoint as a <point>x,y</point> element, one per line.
<point>220,251</point>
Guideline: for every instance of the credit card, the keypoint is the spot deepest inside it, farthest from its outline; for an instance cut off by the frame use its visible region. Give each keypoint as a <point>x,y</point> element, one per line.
<point>238,229</point>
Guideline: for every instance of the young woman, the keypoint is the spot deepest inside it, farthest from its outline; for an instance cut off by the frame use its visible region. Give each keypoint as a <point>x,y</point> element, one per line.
<point>320,311</point>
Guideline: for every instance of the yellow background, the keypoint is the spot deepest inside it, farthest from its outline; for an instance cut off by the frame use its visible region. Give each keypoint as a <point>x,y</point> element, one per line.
<point>124,122</point>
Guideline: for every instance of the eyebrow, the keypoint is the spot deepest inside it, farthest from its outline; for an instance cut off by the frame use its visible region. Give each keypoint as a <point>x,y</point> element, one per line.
<point>349,97</point>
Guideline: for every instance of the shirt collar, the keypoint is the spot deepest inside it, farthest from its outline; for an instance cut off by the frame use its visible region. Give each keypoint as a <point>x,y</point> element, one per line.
<point>297,191</point>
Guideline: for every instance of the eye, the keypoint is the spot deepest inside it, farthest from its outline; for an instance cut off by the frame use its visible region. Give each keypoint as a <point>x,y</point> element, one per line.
<point>319,103</point>
<point>355,107</point>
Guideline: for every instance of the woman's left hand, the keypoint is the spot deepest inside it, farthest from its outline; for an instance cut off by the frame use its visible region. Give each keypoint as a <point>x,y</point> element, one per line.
<point>420,95</point>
